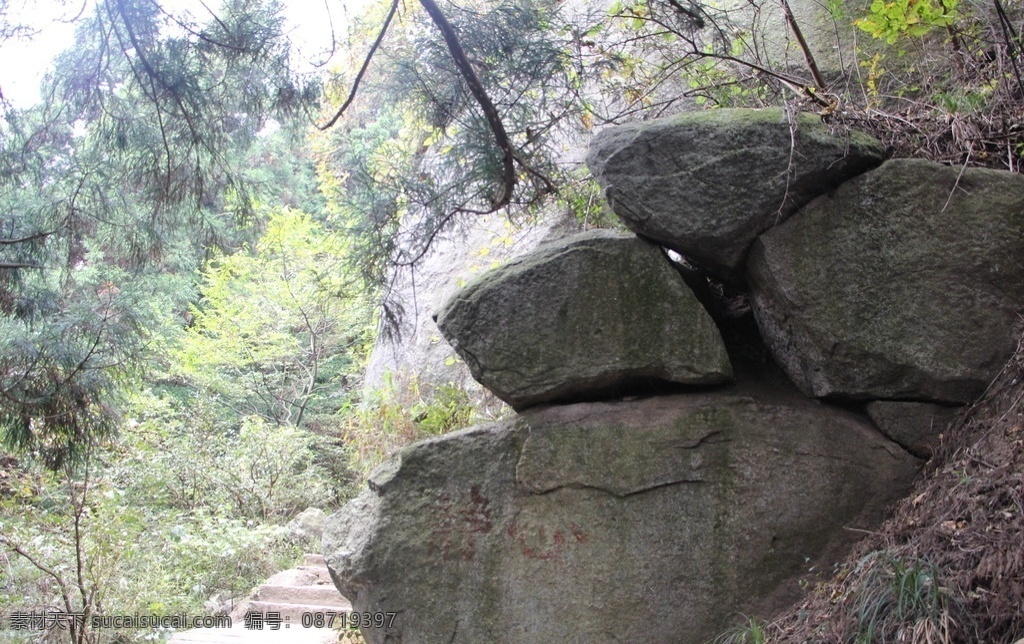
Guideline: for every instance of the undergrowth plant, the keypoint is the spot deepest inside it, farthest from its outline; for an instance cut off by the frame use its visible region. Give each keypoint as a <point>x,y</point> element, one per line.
<point>401,412</point>
<point>76,546</point>
<point>754,631</point>
<point>897,600</point>
<point>892,20</point>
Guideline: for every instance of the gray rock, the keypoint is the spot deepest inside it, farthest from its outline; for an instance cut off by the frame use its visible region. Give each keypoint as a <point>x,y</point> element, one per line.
<point>647,521</point>
<point>416,355</point>
<point>916,426</point>
<point>905,283</point>
<point>308,524</point>
<point>580,316</point>
<point>707,183</point>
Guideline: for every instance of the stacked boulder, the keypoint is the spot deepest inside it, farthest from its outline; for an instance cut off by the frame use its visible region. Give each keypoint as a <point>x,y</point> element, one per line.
<point>581,317</point>
<point>648,490</point>
<point>706,184</point>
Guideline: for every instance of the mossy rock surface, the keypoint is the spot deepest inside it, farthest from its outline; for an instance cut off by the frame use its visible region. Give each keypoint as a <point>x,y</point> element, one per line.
<point>707,183</point>
<point>656,520</point>
<point>593,314</point>
<point>906,283</point>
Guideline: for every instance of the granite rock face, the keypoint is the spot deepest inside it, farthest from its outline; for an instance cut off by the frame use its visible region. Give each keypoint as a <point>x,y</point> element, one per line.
<point>706,184</point>
<point>906,283</point>
<point>661,518</point>
<point>588,314</point>
<point>916,426</point>
<point>647,521</point>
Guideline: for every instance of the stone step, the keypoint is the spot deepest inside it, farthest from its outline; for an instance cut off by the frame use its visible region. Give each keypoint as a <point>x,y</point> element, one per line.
<point>304,589</point>
<point>297,577</point>
<point>319,595</point>
<point>292,613</point>
<point>314,560</point>
<point>320,574</point>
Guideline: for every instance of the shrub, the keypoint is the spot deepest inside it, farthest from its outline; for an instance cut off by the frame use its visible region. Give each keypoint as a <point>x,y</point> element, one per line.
<point>398,414</point>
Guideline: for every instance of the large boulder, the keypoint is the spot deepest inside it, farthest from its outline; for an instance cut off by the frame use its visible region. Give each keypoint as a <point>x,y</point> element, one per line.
<point>707,183</point>
<point>906,283</point>
<point>308,524</point>
<point>654,520</point>
<point>917,426</point>
<point>414,354</point>
<point>591,313</point>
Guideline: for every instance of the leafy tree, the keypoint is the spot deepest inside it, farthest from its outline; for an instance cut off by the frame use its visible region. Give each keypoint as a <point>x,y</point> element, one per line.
<point>280,328</point>
<point>121,177</point>
<point>131,162</point>
<point>944,81</point>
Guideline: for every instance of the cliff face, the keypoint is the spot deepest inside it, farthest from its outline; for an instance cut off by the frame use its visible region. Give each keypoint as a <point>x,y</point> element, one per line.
<point>653,485</point>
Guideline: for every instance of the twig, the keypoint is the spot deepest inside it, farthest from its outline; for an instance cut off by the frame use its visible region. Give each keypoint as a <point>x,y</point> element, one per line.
<point>362,70</point>
<point>963,168</point>
<point>22,240</point>
<point>1010,36</point>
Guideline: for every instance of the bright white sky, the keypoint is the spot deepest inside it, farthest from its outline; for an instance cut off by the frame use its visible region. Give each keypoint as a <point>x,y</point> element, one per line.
<point>23,62</point>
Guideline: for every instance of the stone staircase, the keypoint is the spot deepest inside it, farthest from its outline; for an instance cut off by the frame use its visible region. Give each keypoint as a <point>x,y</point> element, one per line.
<point>291,594</point>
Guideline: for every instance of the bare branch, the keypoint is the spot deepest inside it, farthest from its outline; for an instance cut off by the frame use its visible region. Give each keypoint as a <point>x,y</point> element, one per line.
<point>696,18</point>
<point>14,265</point>
<point>808,56</point>
<point>362,70</point>
<point>22,240</point>
<point>1012,39</point>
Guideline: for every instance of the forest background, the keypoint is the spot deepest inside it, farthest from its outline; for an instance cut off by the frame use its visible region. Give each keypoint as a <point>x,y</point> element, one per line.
<point>199,227</point>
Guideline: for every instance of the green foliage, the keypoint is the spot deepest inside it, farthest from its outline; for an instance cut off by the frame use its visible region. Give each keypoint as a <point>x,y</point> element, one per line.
<point>68,359</point>
<point>895,597</point>
<point>113,187</point>
<point>582,196</point>
<point>68,543</point>
<point>133,559</point>
<point>897,18</point>
<point>419,155</point>
<point>214,554</point>
<point>754,631</point>
<point>280,329</point>
<point>647,58</point>
<point>183,455</point>
<point>449,408</point>
<point>180,509</point>
<point>398,414</point>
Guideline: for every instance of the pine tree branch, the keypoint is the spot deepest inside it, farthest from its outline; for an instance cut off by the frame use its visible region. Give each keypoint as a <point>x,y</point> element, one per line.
<point>22,240</point>
<point>362,70</point>
<point>812,65</point>
<point>461,61</point>
<point>695,18</point>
